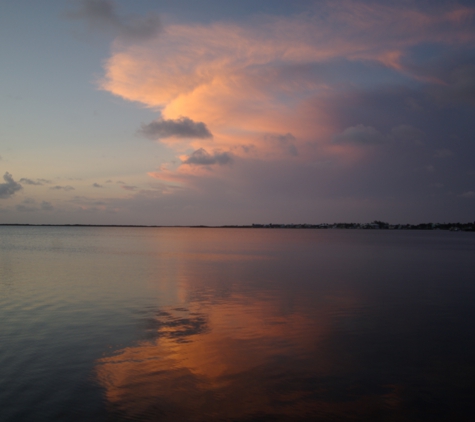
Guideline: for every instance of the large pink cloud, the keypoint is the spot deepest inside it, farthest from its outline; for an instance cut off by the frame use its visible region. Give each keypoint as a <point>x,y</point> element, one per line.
<point>253,86</point>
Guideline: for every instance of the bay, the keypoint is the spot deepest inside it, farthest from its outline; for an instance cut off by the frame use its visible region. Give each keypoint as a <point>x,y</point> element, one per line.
<point>208,324</point>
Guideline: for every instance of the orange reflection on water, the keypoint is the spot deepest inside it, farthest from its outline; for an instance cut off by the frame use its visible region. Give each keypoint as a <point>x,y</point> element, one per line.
<point>231,359</point>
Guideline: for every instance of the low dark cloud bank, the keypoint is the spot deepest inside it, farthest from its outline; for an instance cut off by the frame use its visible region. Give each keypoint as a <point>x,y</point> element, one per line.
<point>183,127</point>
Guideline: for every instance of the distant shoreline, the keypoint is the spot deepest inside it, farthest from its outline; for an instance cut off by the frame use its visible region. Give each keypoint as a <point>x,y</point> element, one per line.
<point>376,225</point>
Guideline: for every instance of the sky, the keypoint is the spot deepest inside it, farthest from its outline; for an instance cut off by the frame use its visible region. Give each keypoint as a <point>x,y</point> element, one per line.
<point>215,112</point>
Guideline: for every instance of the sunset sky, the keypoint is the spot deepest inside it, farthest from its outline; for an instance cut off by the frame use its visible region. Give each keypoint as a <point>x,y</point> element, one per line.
<point>186,112</point>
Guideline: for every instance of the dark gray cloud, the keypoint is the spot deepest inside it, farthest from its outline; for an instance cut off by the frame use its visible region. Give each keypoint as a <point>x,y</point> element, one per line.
<point>361,135</point>
<point>25,208</point>
<point>285,142</point>
<point>46,206</point>
<point>66,188</point>
<point>37,182</point>
<point>9,188</point>
<point>380,108</point>
<point>97,185</point>
<point>459,88</point>
<point>30,182</point>
<point>406,134</point>
<point>201,157</point>
<point>183,127</point>
<point>102,14</point>
<point>28,205</point>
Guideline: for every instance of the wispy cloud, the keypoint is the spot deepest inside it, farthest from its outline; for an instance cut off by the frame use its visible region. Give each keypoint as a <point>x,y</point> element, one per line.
<point>129,187</point>
<point>443,153</point>
<point>102,15</point>
<point>469,194</point>
<point>47,206</point>
<point>458,86</point>
<point>26,208</point>
<point>360,134</point>
<point>65,188</point>
<point>284,142</point>
<point>37,182</point>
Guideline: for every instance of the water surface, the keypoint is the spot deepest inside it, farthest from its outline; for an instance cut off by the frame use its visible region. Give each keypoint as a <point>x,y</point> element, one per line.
<point>168,324</point>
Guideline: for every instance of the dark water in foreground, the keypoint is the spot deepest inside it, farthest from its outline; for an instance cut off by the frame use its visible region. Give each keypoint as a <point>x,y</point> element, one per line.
<point>125,324</point>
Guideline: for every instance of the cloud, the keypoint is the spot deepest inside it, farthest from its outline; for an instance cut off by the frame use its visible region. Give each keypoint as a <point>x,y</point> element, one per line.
<point>201,157</point>
<point>277,75</point>
<point>285,142</point>
<point>97,185</point>
<point>84,200</point>
<point>102,14</point>
<point>407,134</point>
<point>28,205</point>
<point>469,194</point>
<point>312,86</point>
<point>443,153</point>
<point>9,188</point>
<point>182,127</point>
<point>459,87</point>
<point>368,135</point>
<point>46,206</point>
<point>129,187</point>
<point>360,135</point>
<point>25,208</point>
<point>189,58</point>
<point>30,182</point>
<point>37,182</point>
<point>66,188</point>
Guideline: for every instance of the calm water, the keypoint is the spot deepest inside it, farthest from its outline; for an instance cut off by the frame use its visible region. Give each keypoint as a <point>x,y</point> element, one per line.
<point>169,324</point>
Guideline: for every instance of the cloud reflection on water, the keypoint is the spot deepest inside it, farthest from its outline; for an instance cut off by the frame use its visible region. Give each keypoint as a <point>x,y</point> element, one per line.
<point>240,358</point>
<point>298,325</point>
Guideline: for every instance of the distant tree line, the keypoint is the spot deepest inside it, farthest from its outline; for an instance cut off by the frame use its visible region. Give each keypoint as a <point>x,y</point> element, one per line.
<point>375,225</point>
<point>378,225</point>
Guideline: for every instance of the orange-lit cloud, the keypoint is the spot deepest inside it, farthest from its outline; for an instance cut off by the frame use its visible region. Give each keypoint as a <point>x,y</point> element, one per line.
<point>266,90</point>
<point>246,81</point>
